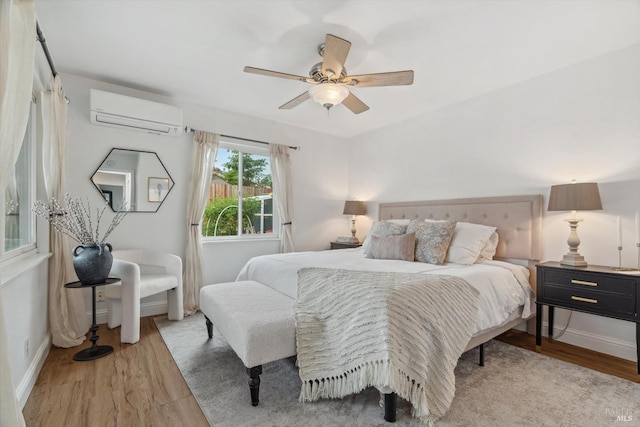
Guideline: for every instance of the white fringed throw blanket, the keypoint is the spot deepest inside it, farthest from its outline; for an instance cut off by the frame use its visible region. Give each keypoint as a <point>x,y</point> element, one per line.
<point>356,329</point>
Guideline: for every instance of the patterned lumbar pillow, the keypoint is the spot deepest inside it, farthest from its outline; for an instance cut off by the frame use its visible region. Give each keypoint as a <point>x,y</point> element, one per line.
<point>400,247</point>
<point>432,240</point>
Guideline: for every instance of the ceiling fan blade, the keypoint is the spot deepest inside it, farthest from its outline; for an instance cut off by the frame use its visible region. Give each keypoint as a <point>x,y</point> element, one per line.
<point>270,73</point>
<point>335,53</point>
<point>394,78</point>
<point>295,101</point>
<point>354,104</point>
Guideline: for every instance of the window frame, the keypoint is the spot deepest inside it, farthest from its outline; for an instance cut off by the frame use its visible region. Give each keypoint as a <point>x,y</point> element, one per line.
<point>246,148</point>
<point>30,141</point>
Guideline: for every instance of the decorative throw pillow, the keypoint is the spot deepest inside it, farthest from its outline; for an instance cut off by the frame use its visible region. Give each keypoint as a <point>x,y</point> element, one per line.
<point>383,229</point>
<point>395,247</point>
<point>432,240</point>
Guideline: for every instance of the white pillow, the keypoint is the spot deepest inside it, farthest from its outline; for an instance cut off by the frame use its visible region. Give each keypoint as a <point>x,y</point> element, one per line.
<point>489,250</point>
<point>468,242</point>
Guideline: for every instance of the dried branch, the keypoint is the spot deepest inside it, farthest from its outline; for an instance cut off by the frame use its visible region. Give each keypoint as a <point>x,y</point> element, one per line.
<point>75,221</point>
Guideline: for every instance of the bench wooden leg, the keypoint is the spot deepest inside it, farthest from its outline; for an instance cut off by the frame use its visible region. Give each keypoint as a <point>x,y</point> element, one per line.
<point>481,362</point>
<point>209,327</point>
<point>254,383</point>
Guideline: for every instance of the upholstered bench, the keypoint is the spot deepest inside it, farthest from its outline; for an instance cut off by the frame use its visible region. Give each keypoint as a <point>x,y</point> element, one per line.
<point>256,321</point>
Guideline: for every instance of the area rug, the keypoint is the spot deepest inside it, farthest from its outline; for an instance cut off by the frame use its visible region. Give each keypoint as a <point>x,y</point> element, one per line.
<point>516,387</point>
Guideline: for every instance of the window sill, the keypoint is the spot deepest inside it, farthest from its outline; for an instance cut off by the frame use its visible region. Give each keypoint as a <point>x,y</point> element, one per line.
<point>14,267</point>
<point>208,240</point>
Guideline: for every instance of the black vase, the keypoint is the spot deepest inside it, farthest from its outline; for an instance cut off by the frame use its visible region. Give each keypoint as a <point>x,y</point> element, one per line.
<point>92,263</point>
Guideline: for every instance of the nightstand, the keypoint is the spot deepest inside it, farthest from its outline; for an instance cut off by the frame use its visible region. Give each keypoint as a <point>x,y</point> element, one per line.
<point>593,289</point>
<point>338,245</point>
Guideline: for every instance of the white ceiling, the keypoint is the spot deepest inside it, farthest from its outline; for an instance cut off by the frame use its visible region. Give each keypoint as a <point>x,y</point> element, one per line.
<point>196,50</point>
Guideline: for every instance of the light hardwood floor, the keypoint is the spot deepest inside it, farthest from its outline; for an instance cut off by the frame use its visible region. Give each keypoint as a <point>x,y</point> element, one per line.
<point>140,385</point>
<point>137,385</point>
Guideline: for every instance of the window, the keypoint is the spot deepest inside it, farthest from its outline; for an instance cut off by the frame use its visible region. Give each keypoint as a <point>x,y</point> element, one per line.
<point>18,222</point>
<point>240,197</point>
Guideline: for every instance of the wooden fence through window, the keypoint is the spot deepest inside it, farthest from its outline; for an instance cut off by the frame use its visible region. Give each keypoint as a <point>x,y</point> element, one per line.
<point>223,190</point>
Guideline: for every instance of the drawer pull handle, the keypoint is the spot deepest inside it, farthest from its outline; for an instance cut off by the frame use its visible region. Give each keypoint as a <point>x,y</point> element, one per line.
<point>592,301</point>
<point>582,282</point>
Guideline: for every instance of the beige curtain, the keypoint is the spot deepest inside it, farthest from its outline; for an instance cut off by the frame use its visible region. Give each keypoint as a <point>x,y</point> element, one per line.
<point>203,159</point>
<point>282,184</point>
<point>67,314</point>
<point>17,53</point>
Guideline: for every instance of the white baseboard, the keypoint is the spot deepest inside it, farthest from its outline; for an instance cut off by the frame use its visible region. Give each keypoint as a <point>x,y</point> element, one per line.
<point>603,344</point>
<point>146,309</point>
<point>600,343</point>
<point>29,379</point>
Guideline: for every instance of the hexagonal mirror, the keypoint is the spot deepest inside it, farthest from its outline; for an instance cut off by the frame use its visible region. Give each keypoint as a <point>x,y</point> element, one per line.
<point>134,179</point>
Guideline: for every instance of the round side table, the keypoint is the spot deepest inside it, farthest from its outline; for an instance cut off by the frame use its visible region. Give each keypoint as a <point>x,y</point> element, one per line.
<point>95,351</point>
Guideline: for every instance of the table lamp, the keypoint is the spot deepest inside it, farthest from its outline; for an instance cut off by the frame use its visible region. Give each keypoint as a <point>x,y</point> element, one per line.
<point>574,197</point>
<point>354,207</point>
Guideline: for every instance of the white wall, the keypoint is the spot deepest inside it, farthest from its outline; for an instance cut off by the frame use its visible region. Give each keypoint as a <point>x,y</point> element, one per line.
<point>581,122</point>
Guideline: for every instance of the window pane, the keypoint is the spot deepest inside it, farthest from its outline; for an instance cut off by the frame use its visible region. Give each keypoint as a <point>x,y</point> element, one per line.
<point>240,193</point>
<point>221,214</point>
<point>18,218</point>
<point>263,216</point>
<point>256,174</point>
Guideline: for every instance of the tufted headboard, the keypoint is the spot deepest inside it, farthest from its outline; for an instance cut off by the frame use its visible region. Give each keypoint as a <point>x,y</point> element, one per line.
<point>517,218</point>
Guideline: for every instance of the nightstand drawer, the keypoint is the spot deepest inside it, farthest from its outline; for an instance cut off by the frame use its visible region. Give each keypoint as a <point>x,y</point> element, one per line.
<point>580,281</point>
<point>595,301</point>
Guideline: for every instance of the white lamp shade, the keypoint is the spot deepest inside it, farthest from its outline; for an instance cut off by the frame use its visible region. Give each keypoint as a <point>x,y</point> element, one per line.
<point>328,94</point>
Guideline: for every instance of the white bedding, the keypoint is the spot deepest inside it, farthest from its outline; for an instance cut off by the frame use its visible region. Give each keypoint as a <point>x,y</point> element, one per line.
<point>504,287</point>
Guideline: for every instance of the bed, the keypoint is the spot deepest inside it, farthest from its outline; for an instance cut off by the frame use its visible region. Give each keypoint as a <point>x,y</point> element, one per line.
<point>505,283</point>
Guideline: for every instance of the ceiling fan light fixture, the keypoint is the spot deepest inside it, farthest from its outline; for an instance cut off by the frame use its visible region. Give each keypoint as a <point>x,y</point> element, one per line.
<point>328,94</point>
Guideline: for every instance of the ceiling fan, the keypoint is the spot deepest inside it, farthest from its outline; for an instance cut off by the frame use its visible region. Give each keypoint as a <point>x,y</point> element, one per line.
<point>330,79</point>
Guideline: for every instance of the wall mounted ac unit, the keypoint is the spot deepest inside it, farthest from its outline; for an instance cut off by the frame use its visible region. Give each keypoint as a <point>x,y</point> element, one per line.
<point>125,112</point>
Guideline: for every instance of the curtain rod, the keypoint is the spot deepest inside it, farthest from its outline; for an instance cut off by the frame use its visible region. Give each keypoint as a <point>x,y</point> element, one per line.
<point>188,130</point>
<point>43,43</point>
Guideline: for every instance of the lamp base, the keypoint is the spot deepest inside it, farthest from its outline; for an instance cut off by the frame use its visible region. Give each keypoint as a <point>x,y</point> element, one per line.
<point>573,259</point>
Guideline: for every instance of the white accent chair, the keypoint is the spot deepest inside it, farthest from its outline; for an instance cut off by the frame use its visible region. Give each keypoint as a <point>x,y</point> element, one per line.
<point>143,273</point>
